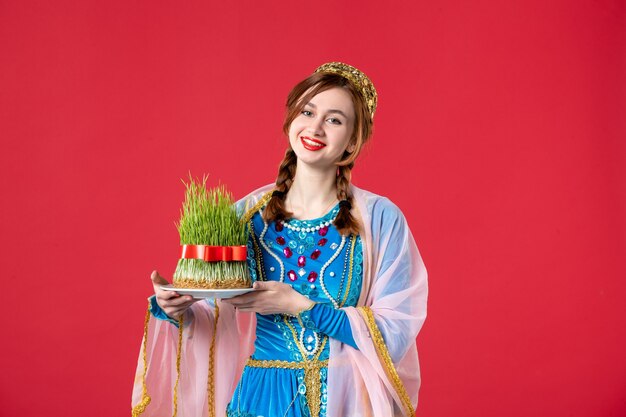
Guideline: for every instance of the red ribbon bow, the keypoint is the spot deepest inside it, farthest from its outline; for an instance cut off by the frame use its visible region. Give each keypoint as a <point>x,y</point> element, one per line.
<point>213,253</point>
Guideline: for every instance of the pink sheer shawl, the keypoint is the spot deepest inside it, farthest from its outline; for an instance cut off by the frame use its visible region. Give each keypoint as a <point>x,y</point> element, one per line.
<point>380,379</point>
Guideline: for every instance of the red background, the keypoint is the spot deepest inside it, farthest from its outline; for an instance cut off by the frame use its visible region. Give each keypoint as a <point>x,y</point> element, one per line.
<point>500,133</point>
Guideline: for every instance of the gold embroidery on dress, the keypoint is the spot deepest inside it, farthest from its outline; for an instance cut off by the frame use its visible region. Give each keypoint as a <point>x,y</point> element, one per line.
<point>312,369</point>
<point>385,359</point>
<point>257,251</point>
<point>248,214</point>
<point>351,262</point>
<point>178,355</point>
<point>145,398</point>
<point>259,363</point>
<point>211,378</point>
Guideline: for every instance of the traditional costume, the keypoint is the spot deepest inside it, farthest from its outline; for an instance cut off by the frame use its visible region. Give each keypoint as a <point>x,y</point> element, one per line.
<point>356,360</point>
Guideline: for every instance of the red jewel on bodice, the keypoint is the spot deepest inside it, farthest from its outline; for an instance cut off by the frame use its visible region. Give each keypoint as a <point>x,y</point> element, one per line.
<point>278,227</point>
<point>292,275</point>
<point>312,276</point>
<point>323,231</point>
<point>316,254</point>
<point>280,240</point>
<point>301,261</point>
<point>287,252</point>
<point>322,241</point>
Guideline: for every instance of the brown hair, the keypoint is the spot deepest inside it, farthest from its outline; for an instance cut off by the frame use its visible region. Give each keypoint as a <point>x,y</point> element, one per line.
<point>301,94</point>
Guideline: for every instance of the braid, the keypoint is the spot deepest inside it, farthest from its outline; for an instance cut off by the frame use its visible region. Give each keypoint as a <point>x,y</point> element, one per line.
<point>345,223</point>
<point>275,210</point>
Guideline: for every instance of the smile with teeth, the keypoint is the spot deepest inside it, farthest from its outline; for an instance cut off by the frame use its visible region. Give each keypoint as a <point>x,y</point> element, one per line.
<point>311,144</point>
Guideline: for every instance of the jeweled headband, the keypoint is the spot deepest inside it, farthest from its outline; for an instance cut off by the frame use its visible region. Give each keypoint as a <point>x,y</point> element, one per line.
<point>356,77</point>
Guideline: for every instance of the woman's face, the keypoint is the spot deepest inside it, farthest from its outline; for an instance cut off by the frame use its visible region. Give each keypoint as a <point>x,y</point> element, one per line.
<point>321,133</point>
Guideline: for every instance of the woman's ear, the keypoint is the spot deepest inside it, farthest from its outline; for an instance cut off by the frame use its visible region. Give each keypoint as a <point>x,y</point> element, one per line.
<point>351,147</point>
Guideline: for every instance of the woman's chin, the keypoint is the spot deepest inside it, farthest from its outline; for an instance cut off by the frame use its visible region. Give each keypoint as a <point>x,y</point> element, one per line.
<point>316,163</point>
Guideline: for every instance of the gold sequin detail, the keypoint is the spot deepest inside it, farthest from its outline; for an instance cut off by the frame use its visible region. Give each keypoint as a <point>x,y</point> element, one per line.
<point>356,77</point>
<point>145,398</point>
<point>385,359</point>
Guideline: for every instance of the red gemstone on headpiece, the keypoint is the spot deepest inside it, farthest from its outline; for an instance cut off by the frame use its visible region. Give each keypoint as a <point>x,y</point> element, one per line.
<point>312,276</point>
<point>301,261</point>
<point>287,252</point>
<point>292,275</point>
<point>278,227</point>
<point>280,240</point>
<point>323,231</point>
<point>316,254</point>
<point>322,241</point>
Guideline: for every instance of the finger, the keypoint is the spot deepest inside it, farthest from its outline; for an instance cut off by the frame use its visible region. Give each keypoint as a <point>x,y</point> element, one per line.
<point>248,298</point>
<point>245,306</point>
<point>180,309</point>
<point>176,311</point>
<point>165,295</point>
<point>158,279</point>
<point>266,285</point>
<point>157,282</point>
<point>181,301</point>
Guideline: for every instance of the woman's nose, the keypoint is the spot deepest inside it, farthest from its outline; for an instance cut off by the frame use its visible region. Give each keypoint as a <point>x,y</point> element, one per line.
<point>316,126</point>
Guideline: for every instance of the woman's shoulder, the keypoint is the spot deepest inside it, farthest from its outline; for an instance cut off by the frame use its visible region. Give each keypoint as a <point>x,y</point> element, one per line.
<point>252,202</point>
<point>376,205</point>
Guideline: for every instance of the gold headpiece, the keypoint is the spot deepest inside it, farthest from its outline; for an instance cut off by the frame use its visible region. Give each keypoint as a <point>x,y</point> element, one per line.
<point>356,77</point>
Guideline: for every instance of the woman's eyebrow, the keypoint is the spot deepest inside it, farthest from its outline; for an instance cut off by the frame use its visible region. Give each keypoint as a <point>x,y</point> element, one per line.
<point>329,111</point>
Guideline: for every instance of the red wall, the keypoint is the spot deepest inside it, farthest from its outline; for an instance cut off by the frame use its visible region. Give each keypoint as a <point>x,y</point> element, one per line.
<point>501,134</point>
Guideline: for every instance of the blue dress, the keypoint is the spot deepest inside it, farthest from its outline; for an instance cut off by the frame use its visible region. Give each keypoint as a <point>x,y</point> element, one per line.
<point>286,375</point>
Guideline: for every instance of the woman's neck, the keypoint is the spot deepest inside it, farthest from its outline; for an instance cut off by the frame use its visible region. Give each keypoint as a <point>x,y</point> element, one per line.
<point>313,192</point>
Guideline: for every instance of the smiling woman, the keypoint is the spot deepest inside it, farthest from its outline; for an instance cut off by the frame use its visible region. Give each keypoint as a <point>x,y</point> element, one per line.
<point>340,287</point>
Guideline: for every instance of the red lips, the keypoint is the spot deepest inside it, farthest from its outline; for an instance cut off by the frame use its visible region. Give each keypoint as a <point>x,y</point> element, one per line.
<point>311,144</point>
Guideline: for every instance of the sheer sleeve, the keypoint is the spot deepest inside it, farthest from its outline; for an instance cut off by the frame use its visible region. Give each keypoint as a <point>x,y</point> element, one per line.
<point>382,378</point>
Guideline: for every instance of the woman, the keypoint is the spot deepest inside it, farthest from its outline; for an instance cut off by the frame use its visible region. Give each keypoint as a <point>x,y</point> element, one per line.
<point>340,287</point>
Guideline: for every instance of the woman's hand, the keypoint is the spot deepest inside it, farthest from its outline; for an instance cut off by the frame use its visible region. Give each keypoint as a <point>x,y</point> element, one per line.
<point>172,303</point>
<point>271,297</point>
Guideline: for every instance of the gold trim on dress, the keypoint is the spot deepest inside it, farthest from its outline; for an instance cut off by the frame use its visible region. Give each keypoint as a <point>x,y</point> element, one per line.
<point>248,214</point>
<point>312,377</point>
<point>211,378</point>
<point>259,363</point>
<point>145,398</point>
<point>351,262</point>
<point>311,372</point>
<point>385,360</point>
<point>257,252</point>
<point>179,349</point>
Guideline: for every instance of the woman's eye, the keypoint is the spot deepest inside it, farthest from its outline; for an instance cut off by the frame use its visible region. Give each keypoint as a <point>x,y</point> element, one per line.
<point>334,121</point>
<point>306,112</point>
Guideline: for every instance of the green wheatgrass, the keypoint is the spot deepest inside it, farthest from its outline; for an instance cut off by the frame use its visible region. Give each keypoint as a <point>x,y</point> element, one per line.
<point>208,217</point>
